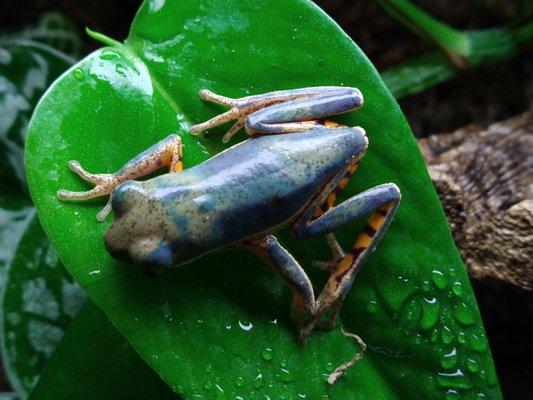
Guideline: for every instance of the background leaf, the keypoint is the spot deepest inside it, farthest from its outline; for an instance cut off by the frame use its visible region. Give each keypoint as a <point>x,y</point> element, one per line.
<point>94,361</point>
<point>423,327</point>
<point>38,303</point>
<point>26,70</point>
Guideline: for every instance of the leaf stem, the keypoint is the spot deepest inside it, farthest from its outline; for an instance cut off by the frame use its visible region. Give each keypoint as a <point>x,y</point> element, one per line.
<point>103,38</point>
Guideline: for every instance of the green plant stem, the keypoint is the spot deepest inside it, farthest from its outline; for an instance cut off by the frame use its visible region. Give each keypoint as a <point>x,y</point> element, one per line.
<point>454,44</point>
<point>432,68</point>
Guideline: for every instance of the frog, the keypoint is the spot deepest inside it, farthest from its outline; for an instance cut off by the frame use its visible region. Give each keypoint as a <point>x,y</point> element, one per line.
<point>287,174</point>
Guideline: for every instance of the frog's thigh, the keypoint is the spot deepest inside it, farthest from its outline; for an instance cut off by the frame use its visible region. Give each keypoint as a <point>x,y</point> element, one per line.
<point>348,211</point>
<point>292,273</point>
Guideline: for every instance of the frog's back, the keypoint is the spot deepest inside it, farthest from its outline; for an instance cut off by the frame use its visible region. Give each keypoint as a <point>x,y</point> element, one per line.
<point>256,186</point>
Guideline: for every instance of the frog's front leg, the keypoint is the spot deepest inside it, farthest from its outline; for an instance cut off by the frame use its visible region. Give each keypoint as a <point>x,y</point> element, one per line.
<point>381,202</point>
<point>284,264</point>
<point>282,111</point>
<point>166,153</point>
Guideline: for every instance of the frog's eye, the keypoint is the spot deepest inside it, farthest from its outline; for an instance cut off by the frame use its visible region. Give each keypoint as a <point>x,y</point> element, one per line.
<point>126,197</point>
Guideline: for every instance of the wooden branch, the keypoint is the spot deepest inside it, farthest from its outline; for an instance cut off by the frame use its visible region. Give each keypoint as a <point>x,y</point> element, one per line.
<point>485,182</point>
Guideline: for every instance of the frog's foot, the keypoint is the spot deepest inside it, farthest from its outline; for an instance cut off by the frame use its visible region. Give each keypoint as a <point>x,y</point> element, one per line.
<point>339,371</point>
<point>237,112</point>
<point>105,184</point>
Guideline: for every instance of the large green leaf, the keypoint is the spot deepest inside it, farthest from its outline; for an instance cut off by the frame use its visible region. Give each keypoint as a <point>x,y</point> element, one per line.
<point>219,326</point>
<point>38,303</point>
<point>95,362</point>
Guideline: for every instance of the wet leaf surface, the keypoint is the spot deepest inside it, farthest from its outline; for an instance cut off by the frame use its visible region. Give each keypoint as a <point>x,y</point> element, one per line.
<point>219,326</point>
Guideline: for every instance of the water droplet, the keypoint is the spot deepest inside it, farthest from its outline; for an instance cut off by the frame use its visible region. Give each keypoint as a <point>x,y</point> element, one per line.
<point>449,360</point>
<point>239,381</point>
<point>121,70</point>
<point>446,335</point>
<point>168,317</point>
<point>328,367</point>
<point>461,337</point>
<point>207,385</point>
<point>180,117</point>
<point>394,292</point>
<point>258,381</point>
<point>283,362</point>
<point>426,286</point>
<point>208,369</point>
<point>267,354</point>
<point>430,313</point>
<point>457,289</point>
<point>454,380</point>
<point>472,365</point>
<point>451,395</point>
<point>245,326</point>
<point>372,307</point>
<point>463,314</point>
<point>438,279</point>
<point>418,339</point>
<point>109,55</point>
<point>78,73</point>
<point>477,343</point>
<point>286,376</point>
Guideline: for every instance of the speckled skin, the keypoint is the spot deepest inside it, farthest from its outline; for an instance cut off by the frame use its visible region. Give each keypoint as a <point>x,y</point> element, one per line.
<point>288,174</point>
<point>251,189</point>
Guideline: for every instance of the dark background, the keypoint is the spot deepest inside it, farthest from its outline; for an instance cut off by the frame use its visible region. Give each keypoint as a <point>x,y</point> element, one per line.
<point>488,94</point>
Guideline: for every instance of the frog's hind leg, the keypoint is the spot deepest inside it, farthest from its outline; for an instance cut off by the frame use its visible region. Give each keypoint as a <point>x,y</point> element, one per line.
<point>381,202</point>
<point>245,107</point>
<point>284,264</point>
<point>166,153</point>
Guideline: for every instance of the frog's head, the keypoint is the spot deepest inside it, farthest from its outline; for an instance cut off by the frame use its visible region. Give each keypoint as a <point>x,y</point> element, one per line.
<point>141,232</point>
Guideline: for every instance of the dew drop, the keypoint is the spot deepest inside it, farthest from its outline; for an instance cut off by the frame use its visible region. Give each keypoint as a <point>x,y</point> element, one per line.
<point>418,339</point>
<point>245,326</point>
<point>109,55</point>
<point>208,369</point>
<point>457,289</point>
<point>461,337</point>
<point>438,279</point>
<point>328,367</point>
<point>267,354</point>
<point>451,395</point>
<point>446,335</point>
<point>454,380</point>
<point>239,381</point>
<point>258,381</point>
<point>207,385</point>
<point>372,307</point>
<point>472,365</point>
<point>477,343</point>
<point>463,314</point>
<point>286,376</point>
<point>78,73</point>
<point>426,286</point>
<point>121,70</point>
<point>430,313</point>
<point>449,360</point>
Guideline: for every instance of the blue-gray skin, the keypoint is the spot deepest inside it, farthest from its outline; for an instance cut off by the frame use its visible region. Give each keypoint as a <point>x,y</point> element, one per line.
<point>287,174</point>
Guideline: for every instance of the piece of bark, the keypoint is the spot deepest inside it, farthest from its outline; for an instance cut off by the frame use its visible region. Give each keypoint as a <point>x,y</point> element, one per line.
<point>484,180</point>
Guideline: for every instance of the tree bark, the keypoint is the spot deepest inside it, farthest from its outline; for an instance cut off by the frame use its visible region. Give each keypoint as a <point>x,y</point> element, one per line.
<point>484,180</point>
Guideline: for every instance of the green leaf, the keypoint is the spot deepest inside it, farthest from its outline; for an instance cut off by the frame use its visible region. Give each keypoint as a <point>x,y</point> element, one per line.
<point>38,303</point>
<point>94,361</point>
<point>26,70</point>
<point>220,324</point>
<point>52,29</point>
